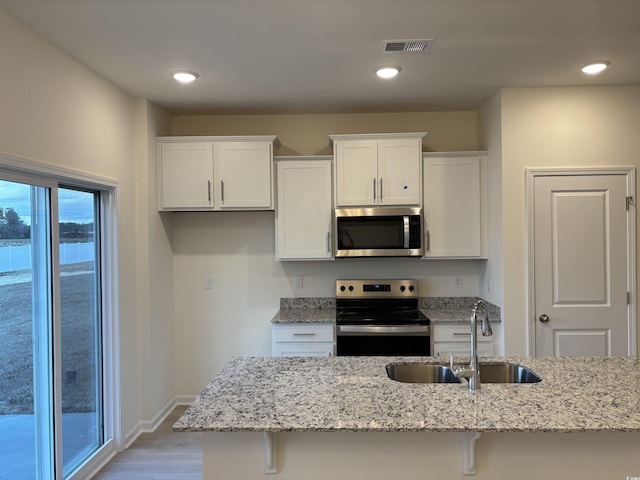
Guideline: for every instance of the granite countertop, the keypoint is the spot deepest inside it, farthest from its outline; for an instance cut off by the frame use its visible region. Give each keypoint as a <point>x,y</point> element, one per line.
<point>323,310</point>
<point>305,315</point>
<point>354,394</point>
<point>328,315</point>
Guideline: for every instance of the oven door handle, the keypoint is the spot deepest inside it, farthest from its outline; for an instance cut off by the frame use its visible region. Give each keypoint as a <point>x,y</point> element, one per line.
<point>407,330</point>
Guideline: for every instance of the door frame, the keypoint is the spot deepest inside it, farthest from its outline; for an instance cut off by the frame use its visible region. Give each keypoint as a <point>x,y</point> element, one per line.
<point>630,181</point>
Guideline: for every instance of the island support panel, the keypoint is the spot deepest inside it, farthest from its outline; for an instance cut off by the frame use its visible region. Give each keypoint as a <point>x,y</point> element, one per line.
<point>420,455</point>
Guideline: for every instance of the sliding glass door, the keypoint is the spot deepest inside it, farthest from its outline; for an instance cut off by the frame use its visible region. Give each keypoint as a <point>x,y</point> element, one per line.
<point>51,368</point>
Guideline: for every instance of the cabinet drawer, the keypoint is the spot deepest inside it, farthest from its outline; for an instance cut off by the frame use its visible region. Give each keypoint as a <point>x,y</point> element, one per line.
<point>460,349</point>
<point>457,333</point>
<point>297,349</point>
<point>303,333</point>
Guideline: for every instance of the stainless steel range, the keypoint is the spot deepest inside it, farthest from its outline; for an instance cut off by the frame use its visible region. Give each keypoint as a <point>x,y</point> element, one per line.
<point>380,317</point>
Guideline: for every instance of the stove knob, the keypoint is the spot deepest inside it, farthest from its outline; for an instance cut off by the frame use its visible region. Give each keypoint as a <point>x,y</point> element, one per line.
<point>351,288</point>
<point>342,289</point>
<point>402,288</point>
<point>411,288</point>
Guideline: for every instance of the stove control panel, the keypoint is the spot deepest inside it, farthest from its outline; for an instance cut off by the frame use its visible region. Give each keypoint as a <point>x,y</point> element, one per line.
<point>376,288</point>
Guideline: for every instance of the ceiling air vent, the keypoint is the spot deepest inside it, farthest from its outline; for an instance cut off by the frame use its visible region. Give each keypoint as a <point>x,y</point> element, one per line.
<point>407,46</point>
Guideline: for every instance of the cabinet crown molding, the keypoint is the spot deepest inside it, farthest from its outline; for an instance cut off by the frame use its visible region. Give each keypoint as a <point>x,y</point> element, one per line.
<point>228,138</point>
<point>376,136</point>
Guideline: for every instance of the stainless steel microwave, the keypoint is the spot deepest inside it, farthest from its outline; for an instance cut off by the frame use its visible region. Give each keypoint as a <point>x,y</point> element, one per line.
<point>378,232</point>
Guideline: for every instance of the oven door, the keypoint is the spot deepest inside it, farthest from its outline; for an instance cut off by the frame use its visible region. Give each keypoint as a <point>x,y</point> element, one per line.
<point>385,340</point>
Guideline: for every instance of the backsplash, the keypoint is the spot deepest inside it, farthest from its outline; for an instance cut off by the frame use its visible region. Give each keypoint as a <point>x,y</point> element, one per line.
<point>307,303</point>
<point>461,303</point>
<point>425,303</point>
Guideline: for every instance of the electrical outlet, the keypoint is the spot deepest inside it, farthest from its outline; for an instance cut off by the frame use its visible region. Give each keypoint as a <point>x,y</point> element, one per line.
<point>208,283</point>
<point>297,281</point>
<point>457,281</point>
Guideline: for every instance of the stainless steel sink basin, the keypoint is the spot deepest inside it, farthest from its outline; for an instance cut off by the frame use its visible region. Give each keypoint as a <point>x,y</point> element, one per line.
<point>420,373</point>
<point>506,373</point>
<point>498,372</point>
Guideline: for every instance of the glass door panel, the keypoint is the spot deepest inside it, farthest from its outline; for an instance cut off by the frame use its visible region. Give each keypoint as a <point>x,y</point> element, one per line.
<point>78,223</point>
<point>26,385</point>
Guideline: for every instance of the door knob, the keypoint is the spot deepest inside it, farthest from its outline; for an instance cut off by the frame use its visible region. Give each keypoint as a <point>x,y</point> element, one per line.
<point>543,318</point>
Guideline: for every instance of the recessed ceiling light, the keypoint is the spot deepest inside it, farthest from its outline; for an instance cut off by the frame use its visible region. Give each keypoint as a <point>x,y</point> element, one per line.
<point>595,67</point>
<point>184,76</point>
<point>388,71</point>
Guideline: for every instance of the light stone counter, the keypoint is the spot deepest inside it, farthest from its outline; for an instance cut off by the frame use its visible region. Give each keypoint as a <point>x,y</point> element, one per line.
<point>323,310</point>
<point>354,394</point>
<point>305,315</point>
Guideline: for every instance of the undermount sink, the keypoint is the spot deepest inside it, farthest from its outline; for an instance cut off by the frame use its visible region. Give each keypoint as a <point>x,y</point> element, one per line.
<point>504,372</point>
<point>494,372</point>
<point>420,373</point>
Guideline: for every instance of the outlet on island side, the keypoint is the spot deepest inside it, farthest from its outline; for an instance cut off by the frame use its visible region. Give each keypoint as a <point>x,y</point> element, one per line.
<point>208,283</point>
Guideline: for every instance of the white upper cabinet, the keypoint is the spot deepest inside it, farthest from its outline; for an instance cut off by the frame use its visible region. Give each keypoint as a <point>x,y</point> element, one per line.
<point>454,205</point>
<point>216,173</point>
<point>303,213</point>
<point>185,176</point>
<point>375,170</point>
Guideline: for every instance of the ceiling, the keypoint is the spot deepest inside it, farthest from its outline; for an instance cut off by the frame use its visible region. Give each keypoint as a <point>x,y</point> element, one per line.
<point>292,56</point>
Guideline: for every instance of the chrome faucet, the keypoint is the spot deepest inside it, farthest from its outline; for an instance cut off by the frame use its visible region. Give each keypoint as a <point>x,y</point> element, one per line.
<point>472,372</point>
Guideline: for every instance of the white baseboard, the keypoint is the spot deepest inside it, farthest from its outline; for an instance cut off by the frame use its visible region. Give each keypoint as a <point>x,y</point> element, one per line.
<point>185,399</point>
<point>148,426</point>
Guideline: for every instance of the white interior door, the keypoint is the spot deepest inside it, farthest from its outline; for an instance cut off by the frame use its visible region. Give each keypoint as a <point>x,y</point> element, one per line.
<point>581,276</point>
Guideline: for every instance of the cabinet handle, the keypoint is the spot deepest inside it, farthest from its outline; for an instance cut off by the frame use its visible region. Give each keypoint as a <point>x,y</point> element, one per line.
<point>428,242</point>
<point>380,190</point>
<point>456,334</point>
<point>328,242</point>
<point>209,190</point>
<point>374,190</point>
<point>222,190</point>
<point>304,334</point>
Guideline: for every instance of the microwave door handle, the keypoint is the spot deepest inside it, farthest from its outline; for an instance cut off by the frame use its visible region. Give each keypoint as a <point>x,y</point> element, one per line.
<point>405,219</point>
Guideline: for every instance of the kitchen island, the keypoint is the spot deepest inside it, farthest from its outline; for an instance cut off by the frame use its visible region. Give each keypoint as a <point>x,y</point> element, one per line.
<point>342,417</point>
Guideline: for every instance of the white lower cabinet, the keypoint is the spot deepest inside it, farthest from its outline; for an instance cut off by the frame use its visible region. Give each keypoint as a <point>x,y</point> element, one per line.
<point>456,339</point>
<point>303,340</point>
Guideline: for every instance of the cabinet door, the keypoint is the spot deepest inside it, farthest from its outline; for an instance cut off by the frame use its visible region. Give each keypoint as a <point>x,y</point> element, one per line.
<point>186,176</point>
<point>244,175</point>
<point>356,172</point>
<point>303,216</point>
<point>453,206</point>
<point>399,168</point>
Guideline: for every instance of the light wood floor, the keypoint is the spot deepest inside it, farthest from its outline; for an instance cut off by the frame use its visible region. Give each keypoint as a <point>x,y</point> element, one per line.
<point>161,455</point>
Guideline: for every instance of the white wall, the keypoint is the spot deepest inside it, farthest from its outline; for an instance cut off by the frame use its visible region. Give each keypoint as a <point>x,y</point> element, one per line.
<point>490,138</point>
<point>56,111</point>
<point>155,273</point>
<point>555,127</point>
<point>236,249</point>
